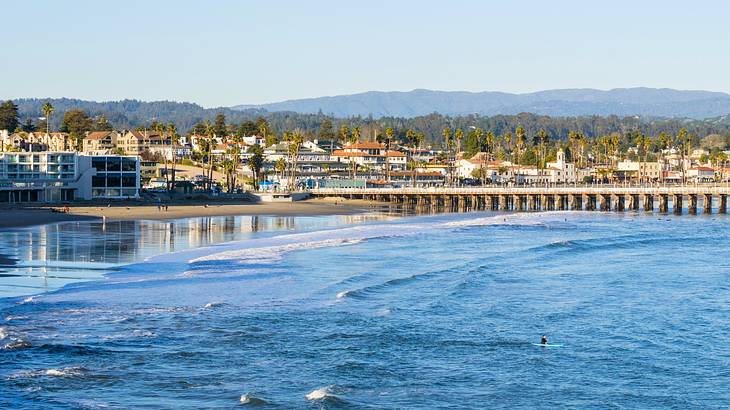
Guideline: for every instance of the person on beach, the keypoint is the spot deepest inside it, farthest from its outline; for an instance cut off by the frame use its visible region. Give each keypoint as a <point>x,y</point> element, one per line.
<point>543,340</point>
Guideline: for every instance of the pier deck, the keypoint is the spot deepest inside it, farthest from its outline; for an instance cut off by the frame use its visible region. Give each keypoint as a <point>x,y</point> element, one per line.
<point>605,198</point>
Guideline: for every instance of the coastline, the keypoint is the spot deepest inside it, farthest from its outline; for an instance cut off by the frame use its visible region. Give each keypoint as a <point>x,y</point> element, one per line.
<point>20,217</point>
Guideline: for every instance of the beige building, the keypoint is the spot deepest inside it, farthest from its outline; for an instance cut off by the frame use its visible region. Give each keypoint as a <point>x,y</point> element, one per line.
<point>136,142</point>
<point>55,141</point>
<point>646,171</point>
<point>100,142</point>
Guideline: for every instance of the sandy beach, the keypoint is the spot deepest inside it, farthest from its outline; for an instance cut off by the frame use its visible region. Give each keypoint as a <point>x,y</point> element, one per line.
<point>11,217</point>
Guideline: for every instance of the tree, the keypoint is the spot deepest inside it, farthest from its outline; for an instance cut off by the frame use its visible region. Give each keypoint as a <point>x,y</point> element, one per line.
<point>219,126</point>
<point>256,162</point>
<point>682,140</point>
<point>76,123</point>
<point>327,132</point>
<point>230,166</point>
<point>449,145</point>
<point>247,129</point>
<point>47,109</point>
<point>280,167</point>
<point>389,134</point>
<point>174,140</point>
<point>541,140</point>
<point>263,127</point>
<point>102,124</point>
<point>8,116</point>
<point>210,131</point>
<point>354,139</point>
<point>28,126</point>
<point>458,136</point>
<point>199,129</point>
<point>520,142</point>
<point>294,140</point>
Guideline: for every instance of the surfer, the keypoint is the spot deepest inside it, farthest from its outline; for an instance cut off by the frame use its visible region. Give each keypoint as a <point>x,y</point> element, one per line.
<point>543,340</point>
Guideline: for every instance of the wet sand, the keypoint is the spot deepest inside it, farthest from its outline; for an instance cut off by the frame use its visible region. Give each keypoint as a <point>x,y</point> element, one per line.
<point>121,211</point>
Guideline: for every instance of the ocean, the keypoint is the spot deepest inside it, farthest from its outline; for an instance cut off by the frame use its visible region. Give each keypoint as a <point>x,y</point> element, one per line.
<point>368,311</point>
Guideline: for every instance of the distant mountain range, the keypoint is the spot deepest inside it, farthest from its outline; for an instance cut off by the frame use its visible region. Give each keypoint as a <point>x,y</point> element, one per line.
<point>645,102</point>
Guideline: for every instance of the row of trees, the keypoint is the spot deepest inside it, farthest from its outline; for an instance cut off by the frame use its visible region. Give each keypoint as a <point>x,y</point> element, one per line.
<point>130,114</point>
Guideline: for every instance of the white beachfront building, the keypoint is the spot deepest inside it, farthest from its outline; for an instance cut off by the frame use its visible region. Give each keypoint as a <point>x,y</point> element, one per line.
<point>557,172</point>
<point>66,176</point>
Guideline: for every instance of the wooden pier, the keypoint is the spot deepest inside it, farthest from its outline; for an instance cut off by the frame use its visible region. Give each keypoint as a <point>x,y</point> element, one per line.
<point>661,199</point>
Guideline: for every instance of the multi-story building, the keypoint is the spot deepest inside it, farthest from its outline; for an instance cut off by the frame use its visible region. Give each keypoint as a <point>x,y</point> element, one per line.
<point>137,142</point>
<point>66,176</point>
<point>100,142</point>
<point>371,155</point>
<point>637,170</point>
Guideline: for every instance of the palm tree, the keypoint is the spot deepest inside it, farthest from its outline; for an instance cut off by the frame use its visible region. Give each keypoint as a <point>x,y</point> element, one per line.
<point>458,136</point>
<point>542,138</point>
<point>175,139</point>
<point>280,167</point>
<point>231,167</point>
<point>296,139</point>
<point>389,134</point>
<point>508,143</point>
<point>160,129</point>
<point>520,142</point>
<point>344,136</point>
<point>354,139</point>
<point>449,146</point>
<point>210,132</point>
<point>682,142</point>
<point>47,109</point>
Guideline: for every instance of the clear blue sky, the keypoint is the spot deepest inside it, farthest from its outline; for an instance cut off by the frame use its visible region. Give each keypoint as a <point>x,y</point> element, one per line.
<point>219,53</point>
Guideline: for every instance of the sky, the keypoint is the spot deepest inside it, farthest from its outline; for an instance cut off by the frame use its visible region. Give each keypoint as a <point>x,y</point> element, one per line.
<point>223,53</point>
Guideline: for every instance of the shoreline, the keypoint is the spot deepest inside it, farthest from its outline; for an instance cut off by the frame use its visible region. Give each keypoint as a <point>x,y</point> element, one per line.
<point>25,216</point>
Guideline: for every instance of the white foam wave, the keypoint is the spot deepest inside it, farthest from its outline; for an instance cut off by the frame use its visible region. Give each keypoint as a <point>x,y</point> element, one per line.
<point>320,394</point>
<point>250,399</point>
<point>29,299</point>
<point>267,251</point>
<point>343,294</point>
<point>52,372</point>
<point>3,332</point>
<point>211,305</point>
<point>269,254</point>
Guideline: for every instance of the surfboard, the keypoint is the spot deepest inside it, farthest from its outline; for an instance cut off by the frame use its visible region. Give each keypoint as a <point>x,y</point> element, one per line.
<point>547,345</point>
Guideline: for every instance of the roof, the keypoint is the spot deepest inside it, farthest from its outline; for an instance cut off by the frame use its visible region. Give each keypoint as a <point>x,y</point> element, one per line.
<point>144,134</point>
<point>702,169</point>
<point>97,135</point>
<point>366,145</point>
<point>418,174</point>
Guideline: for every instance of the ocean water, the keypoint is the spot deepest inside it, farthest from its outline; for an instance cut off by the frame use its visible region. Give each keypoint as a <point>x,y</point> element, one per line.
<point>427,312</point>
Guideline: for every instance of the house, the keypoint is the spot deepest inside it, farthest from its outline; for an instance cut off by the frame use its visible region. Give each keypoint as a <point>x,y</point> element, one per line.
<point>469,168</point>
<point>372,156</point>
<point>635,170</point>
<point>700,174</point>
<point>136,142</point>
<point>557,172</point>
<point>55,141</point>
<point>100,142</point>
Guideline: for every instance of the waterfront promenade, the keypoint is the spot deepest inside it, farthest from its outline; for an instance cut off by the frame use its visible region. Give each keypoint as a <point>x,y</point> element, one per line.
<point>707,198</point>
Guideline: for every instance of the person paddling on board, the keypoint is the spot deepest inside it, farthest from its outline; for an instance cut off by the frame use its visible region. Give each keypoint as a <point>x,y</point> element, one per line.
<point>543,340</point>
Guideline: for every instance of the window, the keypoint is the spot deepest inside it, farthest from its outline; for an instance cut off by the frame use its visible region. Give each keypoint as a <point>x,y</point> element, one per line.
<point>99,164</point>
<point>129,164</point>
<point>113,180</point>
<point>113,164</point>
<point>98,182</point>
<point>129,181</point>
